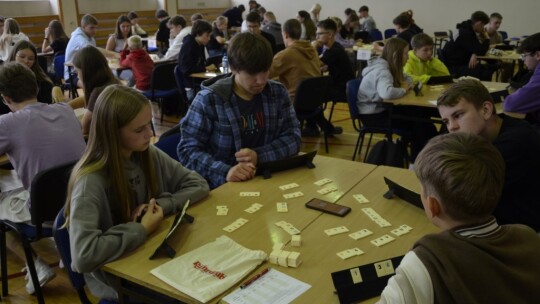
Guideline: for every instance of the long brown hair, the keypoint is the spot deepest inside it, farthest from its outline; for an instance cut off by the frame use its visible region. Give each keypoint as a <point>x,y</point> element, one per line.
<point>56,31</point>
<point>393,54</point>
<point>95,69</point>
<point>116,107</point>
<point>36,68</point>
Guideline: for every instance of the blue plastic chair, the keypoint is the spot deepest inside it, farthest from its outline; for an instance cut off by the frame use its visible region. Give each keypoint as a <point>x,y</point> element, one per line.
<point>163,85</point>
<point>168,142</point>
<point>376,35</point>
<point>389,33</point>
<point>61,238</point>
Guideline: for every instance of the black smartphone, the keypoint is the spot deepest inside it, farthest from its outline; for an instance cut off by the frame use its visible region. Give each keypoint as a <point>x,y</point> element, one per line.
<point>324,206</point>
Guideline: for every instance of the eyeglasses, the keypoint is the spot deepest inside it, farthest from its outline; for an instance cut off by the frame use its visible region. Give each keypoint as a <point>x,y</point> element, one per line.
<point>524,55</point>
<point>321,33</point>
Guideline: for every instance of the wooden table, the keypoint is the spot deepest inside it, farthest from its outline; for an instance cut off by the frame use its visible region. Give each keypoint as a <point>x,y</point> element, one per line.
<point>204,75</point>
<point>259,233</point>
<point>506,55</point>
<point>431,93</point>
<point>318,250</point>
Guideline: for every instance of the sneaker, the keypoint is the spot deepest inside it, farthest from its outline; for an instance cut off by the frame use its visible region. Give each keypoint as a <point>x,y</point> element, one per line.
<point>44,273</point>
<point>335,131</point>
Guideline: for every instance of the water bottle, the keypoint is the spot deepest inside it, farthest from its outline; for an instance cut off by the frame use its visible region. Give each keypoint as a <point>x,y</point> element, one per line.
<point>225,64</point>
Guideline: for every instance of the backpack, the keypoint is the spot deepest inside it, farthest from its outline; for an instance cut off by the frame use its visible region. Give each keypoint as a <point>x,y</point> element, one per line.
<point>387,153</point>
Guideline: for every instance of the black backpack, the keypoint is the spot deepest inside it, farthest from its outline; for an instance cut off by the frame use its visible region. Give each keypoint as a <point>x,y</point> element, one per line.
<point>388,153</point>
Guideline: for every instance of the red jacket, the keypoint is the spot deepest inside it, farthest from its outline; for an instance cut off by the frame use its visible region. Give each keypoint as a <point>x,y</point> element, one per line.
<point>141,64</point>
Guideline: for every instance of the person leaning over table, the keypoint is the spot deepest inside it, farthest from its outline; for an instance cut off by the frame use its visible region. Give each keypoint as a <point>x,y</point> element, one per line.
<point>421,64</point>
<point>179,30</point>
<point>240,120</point>
<point>467,106</point>
<point>473,259</point>
<point>526,100</point>
<point>36,136</point>
<point>121,188</point>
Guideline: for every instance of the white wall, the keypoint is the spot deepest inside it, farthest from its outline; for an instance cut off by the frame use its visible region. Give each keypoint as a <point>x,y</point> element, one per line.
<point>521,17</point>
<point>104,6</point>
<point>203,3</point>
<point>28,8</point>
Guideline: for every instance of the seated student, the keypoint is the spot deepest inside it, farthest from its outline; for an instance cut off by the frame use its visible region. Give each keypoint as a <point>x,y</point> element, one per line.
<point>253,23</point>
<point>136,29</point>
<point>350,26</point>
<point>336,62</point>
<point>460,53</point>
<point>192,56</point>
<point>346,43</point>
<point>217,45</point>
<point>93,70</point>
<point>81,37</point>
<point>215,140</point>
<point>421,64</point>
<point>36,136</point>
<point>163,32</point>
<point>103,224</point>
<point>367,23</point>
<point>179,30</point>
<point>25,52</point>
<point>468,107</point>
<point>9,37</point>
<point>383,78</point>
<point>273,27</point>
<point>526,100</point>
<point>402,23</point>
<point>135,57</point>
<point>234,15</point>
<point>315,12</point>
<point>461,177</point>
<point>492,29</point>
<point>118,40</point>
<point>413,26</point>
<point>56,39</point>
<point>298,61</point>
<point>308,26</point>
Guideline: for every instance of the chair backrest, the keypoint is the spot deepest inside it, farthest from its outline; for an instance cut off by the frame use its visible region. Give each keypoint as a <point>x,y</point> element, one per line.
<point>504,35</point>
<point>168,142</point>
<point>163,77</point>
<point>59,66</point>
<point>376,35</point>
<point>48,194</point>
<point>179,78</point>
<point>61,238</point>
<point>389,33</point>
<point>311,93</point>
<point>353,86</point>
<point>451,35</point>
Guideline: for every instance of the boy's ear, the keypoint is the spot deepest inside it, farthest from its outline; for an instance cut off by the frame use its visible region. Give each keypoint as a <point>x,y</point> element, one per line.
<point>433,205</point>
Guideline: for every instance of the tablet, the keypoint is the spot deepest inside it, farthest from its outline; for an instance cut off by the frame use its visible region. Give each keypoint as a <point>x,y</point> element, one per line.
<point>164,246</point>
<point>266,169</point>
<point>440,79</point>
<point>403,193</point>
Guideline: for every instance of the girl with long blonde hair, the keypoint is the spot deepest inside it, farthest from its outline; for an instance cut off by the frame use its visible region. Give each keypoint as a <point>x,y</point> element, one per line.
<point>121,178</point>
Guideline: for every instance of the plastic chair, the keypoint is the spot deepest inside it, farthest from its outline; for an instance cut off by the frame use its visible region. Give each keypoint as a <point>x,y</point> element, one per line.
<point>376,35</point>
<point>168,142</point>
<point>61,238</point>
<point>352,91</point>
<point>48,195</point>
<point>309,99</point>
<point>504,35</point>
<point>162,85</point>
<point>58,63</point>
<point>389,33</point>
<point>179,78</point>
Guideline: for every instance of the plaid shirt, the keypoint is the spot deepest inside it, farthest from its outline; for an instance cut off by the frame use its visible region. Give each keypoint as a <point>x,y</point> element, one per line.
<point>211,130</point>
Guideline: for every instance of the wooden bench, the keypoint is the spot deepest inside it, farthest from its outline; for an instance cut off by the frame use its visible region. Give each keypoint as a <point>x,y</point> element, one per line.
<point>209,14</point>
<point>107,24</point>
<point>34,27</point>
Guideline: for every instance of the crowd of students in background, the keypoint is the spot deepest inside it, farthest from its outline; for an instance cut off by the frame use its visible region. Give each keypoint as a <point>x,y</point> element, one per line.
<point>267,60</point>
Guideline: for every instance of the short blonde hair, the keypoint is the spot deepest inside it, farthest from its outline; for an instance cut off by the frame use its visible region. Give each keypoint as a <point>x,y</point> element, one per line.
<point>135,42</point>
<point>464,172</point>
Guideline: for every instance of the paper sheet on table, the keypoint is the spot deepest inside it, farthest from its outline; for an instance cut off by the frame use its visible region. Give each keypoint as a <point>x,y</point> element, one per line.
<point>433,102</point>
<point>273,287</point>
<point>9,180</point>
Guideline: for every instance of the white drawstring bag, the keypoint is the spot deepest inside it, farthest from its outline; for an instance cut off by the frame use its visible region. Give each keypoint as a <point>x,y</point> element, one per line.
<point>209,270</point>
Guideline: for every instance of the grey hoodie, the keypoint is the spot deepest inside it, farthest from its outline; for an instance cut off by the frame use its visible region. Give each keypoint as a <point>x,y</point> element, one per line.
<point>377,85</point>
